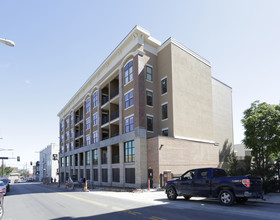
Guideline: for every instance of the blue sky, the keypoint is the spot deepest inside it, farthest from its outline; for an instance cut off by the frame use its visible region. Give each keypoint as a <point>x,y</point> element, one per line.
<point>59,44</point>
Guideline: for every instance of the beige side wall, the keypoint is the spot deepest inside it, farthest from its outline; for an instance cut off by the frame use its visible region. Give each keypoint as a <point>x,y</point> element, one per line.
<point>222,114</point>
<point>165,70</point>
<point>192,96</point>
<point>178,155</point>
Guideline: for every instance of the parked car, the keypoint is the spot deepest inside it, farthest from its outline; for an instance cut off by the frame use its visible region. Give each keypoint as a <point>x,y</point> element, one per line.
<point>3,187</point>
<point>17,181</point>
<point>29,180</point>
<point>1,203</point>
<point>6,181</point>
<point>214,182</point>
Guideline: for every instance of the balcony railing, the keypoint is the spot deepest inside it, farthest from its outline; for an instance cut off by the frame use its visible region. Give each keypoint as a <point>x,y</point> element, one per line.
<point>105,99</point>
<point>78,118</point>
<point>79,133</point>
<point>114,115</point>
<point>114,93</point>
<point>105,119</point>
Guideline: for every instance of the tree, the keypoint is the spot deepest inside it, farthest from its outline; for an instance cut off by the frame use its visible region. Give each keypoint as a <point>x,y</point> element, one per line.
<point>6,171</point>
<point>262,128</point>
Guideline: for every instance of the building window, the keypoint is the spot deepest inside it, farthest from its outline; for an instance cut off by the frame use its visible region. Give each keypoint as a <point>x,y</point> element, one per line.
<point>68,161</point>
<point>130,175</point>
<point>88,140</point>
<point>165,132</point>
<point>129,124</point>
<point>95,137</point>
<point>62,163</point>
<point>62,125</point>
<point>129,152</point>
<point>67,147</point>
<point>95,157</point>
<point>87,158</point>
<point>72,118</point>
<point>72,160</point>
<point>164,112</point>
<point>87,105</point>
<point>149,98</point>
<point>67,136</point>
<point>128,72</point>
<point>62,139</point>
<point>150,126</point>
<point>105,175</point>
<point>88,123</point>
<point>95,174</point>
<point>116,175</point>
<point>95,99</point>
<point>104,155</point>
<point>95,119</point>
<point>164,86</point>
<point>128,99</point>
<point>67,123</point>
<point>149,73</point>
<point>72,145</point>
<point>72,132</point>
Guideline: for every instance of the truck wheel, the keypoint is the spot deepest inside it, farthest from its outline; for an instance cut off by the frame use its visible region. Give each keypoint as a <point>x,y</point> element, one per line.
<point>171,193</point>
<point>226,197</point>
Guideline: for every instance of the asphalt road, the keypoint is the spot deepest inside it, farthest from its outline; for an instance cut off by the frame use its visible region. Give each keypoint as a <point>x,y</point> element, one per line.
<point>36,201</point>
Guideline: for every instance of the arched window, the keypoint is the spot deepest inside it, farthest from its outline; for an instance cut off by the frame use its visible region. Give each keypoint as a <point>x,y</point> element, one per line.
<point>128,72</point>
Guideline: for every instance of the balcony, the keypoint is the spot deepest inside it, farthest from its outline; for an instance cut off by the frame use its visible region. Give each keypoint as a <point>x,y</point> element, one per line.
<point>79,133</point>
<point>78,119</point>
<point>114,93</point>
<point>114,115</point>
<point>105,119</point>
<point>104,99</point>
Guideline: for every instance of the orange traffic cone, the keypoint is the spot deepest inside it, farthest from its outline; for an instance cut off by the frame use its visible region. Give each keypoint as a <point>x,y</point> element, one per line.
<point>85,189</point>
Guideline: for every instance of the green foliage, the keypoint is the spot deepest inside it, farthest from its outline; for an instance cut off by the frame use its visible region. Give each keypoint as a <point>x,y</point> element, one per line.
<point>238,167</point>
<point>6,171</point>
<point>262,128</point>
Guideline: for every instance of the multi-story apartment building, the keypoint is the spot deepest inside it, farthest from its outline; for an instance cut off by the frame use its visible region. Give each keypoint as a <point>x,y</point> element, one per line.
<point>48,164</point>
<point>148,106</point>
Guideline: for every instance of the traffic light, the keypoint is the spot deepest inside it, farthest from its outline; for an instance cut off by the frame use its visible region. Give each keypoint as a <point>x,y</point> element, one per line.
<point>18,158</point>
<point>30,163</point>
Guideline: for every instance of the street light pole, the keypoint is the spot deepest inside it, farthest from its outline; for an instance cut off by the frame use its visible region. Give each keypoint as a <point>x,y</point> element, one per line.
<point>7,42</point>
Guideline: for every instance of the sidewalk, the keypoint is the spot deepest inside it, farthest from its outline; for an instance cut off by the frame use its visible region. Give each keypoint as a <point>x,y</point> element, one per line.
<point>159,197</point>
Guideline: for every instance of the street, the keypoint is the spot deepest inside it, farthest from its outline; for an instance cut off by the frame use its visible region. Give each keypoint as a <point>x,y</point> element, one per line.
<point>37,201</point>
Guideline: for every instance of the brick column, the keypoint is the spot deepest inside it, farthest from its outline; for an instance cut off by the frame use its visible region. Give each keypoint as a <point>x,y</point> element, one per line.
<point>122,171</point>
<point>109,163</point>
<point>120,101</point>
<point>99,166</point>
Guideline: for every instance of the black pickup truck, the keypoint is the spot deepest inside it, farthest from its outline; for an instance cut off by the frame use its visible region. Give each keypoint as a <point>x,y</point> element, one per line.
<point>214,182</point>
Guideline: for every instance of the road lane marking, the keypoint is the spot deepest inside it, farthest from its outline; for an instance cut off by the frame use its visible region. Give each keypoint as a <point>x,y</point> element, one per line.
<point>84,200</point>
<point>157,218</point>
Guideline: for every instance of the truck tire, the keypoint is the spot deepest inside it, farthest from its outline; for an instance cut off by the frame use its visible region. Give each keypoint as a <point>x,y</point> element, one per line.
<point>226,197</point>
<point>171,193</point>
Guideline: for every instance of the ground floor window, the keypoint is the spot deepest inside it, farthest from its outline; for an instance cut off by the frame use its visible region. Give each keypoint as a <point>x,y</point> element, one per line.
<point>130,175</point>
<point>95,174</point>
<point>116,174</point>
<point>105,175</point>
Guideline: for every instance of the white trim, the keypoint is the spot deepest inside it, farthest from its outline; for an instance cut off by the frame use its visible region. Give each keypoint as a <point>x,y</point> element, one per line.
<point>129,92</point>
<point>195,140</point>
<point>150,115</point>
<point>164,129</point>
<point>149,65</point>
<point>128,62</point>
<point>164,103</point>
<point>128,116</point>
<point>163,78</point>
<point>129,107</point>
<point>149,90</point>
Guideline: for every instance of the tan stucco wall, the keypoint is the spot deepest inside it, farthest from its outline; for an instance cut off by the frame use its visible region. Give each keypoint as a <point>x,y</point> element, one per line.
<point>178,155</point>
<point>222,116</point>
<point>192,96</point>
